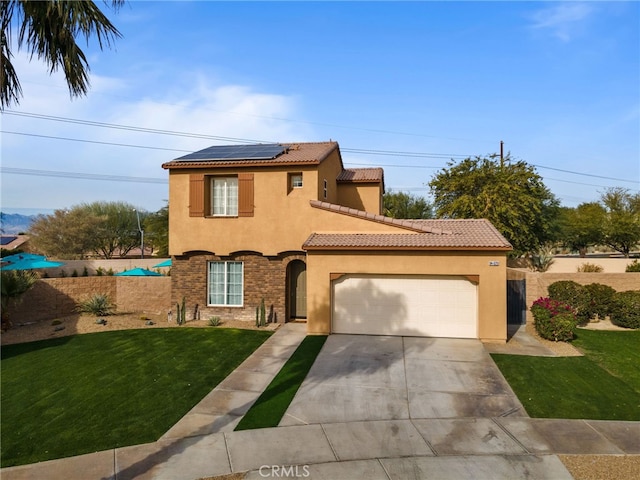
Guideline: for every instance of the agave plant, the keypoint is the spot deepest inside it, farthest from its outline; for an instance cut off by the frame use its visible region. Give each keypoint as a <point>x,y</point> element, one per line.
<point>98,304</point>
<point>541,260</point>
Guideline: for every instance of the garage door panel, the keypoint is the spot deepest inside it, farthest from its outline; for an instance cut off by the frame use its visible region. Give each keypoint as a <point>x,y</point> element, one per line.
<point>434,306</point>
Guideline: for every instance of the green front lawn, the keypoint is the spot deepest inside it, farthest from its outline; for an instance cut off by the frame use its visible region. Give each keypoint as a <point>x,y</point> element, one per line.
<point>80,394</point>
<point>274,401</point>
<point>602,385</point>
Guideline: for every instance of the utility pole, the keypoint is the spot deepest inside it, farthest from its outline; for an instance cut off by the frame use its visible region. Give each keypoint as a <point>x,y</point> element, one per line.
<point>141,234</point>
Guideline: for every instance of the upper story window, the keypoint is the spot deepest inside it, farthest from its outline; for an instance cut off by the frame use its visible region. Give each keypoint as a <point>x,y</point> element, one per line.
<point>324,189</point>
<point>224,196</point>
<point>296,180</point>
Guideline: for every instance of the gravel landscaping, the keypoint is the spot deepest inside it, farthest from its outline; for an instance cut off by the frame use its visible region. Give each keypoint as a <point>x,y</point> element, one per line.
<point>76,324</point>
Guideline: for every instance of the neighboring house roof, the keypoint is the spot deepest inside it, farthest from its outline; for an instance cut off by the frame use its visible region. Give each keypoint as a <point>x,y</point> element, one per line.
<point>311,153</point>
<point>361,175</point>
<point>471,234</point>
<point>11,242</point>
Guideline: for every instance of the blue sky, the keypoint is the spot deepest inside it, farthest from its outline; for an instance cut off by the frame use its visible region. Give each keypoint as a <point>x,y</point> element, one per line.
<point>559,83</point>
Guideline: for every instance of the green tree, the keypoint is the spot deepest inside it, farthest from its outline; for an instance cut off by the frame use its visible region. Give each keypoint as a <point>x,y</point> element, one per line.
<point>103,228</point>
<point>156,227</point>
<point>405,205</point>
<point>117,232</point>
<point>622,220</point>
<point>511,195</point>
<point>65,233</point>
<point>49,29</point>
<point>582,227</point>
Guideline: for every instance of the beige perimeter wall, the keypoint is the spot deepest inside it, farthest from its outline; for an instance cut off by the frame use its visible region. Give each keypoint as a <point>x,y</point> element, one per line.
<point>52,298</point>
<point>538,283</point>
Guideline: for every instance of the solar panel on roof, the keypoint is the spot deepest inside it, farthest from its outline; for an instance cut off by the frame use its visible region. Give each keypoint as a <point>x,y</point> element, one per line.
<point>265,151</point>
<point>6,240</point>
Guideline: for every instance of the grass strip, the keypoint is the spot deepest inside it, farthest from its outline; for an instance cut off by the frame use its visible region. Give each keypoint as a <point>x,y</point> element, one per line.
<point>86,393</point>
<point>615,351</point>
<point>602,385</point>
<point>274,401</point>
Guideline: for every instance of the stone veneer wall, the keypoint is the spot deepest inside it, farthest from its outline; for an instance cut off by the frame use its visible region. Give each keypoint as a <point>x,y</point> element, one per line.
<point>538,283</point>
<point>264,277</point>
<point>52,298</point>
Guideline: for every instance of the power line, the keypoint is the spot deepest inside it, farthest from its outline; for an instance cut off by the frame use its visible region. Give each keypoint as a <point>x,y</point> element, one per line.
<point>586,175</point>
<point>128,127</point>
<point>83,176</point>
<point>235,139</point>
<point>95,141</point>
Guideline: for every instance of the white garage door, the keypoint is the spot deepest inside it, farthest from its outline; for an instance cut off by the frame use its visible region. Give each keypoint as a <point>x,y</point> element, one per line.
<point>433,306</point>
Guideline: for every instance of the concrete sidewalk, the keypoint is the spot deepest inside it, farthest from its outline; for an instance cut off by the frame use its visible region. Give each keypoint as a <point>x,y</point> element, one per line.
<point>486,448</point>
<point>493,446</point>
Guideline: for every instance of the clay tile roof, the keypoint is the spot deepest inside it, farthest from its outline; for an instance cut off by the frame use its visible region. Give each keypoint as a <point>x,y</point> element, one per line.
<point>309,153</point>
<point>361,175</point>
<point>472,234</point>
<point>413,225</point>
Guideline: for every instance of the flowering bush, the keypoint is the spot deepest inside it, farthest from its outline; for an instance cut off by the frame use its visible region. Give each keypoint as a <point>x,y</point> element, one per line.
<point>554,320</point>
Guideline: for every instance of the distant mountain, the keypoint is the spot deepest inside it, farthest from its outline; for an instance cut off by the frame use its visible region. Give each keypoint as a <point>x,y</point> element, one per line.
<point>13,223</point>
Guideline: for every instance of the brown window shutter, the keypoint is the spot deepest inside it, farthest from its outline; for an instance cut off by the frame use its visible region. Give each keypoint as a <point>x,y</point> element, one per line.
<point>196,195</point>
<point>245,194</point>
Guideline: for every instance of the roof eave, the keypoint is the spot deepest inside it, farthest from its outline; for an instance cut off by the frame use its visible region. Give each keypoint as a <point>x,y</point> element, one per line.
<point>217,164</point>
<point>404,248</point>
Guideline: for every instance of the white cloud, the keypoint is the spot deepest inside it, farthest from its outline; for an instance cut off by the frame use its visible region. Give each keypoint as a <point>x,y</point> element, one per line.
<point>202,106</point>
<point>562,20</point>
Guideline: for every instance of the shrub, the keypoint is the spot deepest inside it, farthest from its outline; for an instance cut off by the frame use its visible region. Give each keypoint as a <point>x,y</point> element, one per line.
<point>590,268</point>
<point>554,320</point>
<point>98,304</point>
<point>74,273</point>
<point>633,267</point>
<point>600,301</point>
<point>570,293</point>
<point>625,311</point>
<point>100,271</point>
<point>85,272</point>
<point>214,321</point>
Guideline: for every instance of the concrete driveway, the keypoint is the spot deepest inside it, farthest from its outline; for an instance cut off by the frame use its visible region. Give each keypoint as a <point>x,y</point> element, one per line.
<point>364,377</point>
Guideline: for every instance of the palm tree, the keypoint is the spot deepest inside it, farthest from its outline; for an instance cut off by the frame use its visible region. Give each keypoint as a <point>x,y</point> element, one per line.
<point>49,30</point>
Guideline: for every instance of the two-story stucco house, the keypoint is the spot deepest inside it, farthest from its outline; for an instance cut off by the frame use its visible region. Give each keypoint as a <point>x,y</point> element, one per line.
<point>288,223</point>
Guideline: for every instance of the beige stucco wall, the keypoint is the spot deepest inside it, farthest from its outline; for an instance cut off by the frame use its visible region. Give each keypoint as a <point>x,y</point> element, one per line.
<point>361,196</point>
<point>328,170</point>
<point>492,304</point>
<point>282,219</point>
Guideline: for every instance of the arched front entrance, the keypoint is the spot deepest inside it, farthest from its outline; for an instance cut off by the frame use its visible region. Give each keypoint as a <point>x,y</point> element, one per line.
<point>297,290</point>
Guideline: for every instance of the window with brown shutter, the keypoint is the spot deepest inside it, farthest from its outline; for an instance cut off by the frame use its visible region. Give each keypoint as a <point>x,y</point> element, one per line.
<point>245,194</point>
<point>202,192</point>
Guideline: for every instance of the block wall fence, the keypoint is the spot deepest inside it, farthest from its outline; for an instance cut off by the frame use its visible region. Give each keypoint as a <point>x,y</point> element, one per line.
<point>52,298</point>
<point>538,283</point>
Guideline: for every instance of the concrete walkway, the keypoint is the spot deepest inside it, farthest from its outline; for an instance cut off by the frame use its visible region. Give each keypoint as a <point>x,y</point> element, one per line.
<point>203,443</point>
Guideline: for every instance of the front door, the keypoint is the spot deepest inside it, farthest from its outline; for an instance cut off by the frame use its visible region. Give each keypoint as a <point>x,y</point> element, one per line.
<point>297,290</point>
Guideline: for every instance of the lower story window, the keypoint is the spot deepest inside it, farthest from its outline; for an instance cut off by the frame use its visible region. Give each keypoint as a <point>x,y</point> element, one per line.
<point>225,283</point>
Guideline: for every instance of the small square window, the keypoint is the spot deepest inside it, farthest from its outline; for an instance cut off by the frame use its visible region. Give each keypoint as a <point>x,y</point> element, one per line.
<point>296,180</point>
